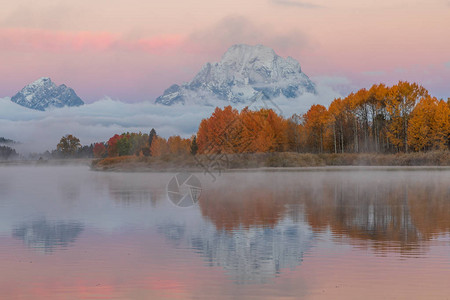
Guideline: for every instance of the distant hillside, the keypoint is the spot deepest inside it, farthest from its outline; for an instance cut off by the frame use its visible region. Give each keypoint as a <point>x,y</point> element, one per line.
<point>7,152</point>
<point>6,141</point>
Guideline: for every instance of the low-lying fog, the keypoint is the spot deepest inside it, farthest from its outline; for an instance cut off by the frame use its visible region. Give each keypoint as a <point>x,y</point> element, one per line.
<point>38,131</point>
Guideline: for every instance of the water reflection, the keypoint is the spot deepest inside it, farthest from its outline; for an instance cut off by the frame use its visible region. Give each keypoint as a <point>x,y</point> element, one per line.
<point>135,192</point>
<point>248,255</point>
<point>389,212</point>
<point>127,240</point>
<point>255,230</point>
<point>48,235</point>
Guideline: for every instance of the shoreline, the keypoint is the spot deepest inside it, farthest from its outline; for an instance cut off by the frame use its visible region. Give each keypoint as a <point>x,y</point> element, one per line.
<point>285,169</point>
<point>256,162</point>
<point>284,161</point>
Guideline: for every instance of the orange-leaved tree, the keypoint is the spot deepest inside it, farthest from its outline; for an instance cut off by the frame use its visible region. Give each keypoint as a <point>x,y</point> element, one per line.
<point>159,146</point>
<point>178,145</point>
<point>315,124</point>
<point>220,133</point>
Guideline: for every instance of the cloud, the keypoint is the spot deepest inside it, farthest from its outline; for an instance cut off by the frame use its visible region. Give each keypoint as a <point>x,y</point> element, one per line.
<point>240,30</point>
<point>230,30</point>
<point>38,131</point>
<point>296,4</point>
<point>339,85</point>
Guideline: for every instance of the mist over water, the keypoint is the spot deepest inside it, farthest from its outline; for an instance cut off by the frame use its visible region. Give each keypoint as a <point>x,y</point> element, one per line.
<point>300,234</point>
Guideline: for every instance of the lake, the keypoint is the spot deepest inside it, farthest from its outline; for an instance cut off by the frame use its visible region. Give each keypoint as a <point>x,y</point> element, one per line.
<point>67,232</point>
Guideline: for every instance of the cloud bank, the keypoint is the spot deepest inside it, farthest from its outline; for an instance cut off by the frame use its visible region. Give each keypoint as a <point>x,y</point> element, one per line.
<point>38,131</point>
<point>236,29</point>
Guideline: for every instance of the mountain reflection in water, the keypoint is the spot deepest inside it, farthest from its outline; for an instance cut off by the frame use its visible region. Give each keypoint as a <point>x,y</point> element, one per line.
<point>46,235</point>
<point>248,255</point>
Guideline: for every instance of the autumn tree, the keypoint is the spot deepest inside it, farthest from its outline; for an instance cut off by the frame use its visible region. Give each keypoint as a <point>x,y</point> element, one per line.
<point>262,131</point>
<point>178,146</point>
<point>293,133</point>
<point>220,133</point>
<point>420,129</point>
<point>112,145</point>
<point>338,121</point>
<point>401,101</point>
<point>99,150</point>
<point>377,110</point>
<point>315,121</point>
<point>159,146</point>
<point>441,126</point>
<point>68,145</point>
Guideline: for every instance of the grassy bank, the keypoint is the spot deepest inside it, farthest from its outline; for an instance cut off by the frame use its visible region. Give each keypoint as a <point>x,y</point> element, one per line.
<point>271,160</point>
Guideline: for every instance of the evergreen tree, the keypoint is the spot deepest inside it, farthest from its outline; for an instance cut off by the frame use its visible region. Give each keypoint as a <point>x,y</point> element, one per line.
<point>194,146</point>
<point>151,137</point>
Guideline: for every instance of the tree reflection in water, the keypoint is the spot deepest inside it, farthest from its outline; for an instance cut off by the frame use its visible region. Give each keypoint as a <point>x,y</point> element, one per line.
<point>386,211</point>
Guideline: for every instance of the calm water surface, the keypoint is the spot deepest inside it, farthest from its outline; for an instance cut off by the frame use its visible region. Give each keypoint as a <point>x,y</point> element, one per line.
<point>71,233</point>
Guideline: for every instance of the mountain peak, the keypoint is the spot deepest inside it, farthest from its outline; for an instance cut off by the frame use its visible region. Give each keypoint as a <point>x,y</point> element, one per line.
<point>243,72</point>
<point>43,79</point>
<point>44,93</point>
<point>243,49</point>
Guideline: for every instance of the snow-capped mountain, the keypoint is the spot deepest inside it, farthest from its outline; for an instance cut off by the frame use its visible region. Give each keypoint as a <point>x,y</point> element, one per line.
<point>43,93</point>
<point>243,72</point>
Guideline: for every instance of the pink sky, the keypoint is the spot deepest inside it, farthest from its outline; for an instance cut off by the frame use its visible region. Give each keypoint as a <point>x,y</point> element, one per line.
<point>133,50</point>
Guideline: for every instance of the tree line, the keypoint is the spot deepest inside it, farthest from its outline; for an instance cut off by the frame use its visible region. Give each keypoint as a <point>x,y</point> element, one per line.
<point>382,119</point>
<point>142,144</point>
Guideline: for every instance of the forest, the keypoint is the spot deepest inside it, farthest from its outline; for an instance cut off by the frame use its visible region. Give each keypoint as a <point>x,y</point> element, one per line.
<point>402,118</point>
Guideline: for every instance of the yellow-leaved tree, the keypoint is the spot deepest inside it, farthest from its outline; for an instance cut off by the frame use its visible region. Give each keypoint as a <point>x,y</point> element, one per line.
<point>420,127</point>
<point>400,102</point>
<point>441,126</point>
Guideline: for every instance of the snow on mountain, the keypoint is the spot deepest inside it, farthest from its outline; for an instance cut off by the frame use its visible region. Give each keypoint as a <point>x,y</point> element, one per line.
<point>244,72</point>
<point>43,93</point>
